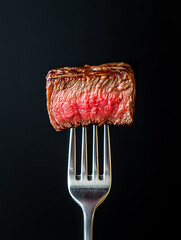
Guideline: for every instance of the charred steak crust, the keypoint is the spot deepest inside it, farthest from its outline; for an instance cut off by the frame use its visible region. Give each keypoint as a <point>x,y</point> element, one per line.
<point>103,94</point>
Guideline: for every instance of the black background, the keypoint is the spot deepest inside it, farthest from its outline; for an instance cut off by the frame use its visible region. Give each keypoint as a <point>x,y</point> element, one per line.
<point>36,36</point>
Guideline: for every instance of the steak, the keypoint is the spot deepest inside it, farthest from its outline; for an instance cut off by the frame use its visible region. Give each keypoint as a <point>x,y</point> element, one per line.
<point>79,96</point>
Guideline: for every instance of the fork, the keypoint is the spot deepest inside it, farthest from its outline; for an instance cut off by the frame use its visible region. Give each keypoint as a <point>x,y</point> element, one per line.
<point>89,191</point>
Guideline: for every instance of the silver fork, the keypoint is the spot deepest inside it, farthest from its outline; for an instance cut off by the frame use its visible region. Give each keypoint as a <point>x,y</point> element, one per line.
<point>89,191</point>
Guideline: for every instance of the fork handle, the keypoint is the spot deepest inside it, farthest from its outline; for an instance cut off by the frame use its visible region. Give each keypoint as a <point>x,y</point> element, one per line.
<point>88,223</point>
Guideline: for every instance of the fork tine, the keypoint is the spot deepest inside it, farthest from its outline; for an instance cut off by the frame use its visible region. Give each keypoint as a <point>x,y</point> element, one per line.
<point>84,172</point>
<point>95,157</point>
<point>107,152</point>
<point>72,153</point>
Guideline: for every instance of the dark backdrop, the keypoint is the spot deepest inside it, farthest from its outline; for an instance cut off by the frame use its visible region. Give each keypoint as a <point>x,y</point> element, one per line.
<point>36,36</point>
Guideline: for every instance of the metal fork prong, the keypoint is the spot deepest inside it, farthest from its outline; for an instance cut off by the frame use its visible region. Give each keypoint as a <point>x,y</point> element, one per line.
<point>107,152</point>
<point>95,156</point>
<point>84,172</point>
<point>72,153</point>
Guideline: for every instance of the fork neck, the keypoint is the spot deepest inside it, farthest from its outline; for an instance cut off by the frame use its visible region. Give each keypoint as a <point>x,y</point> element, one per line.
<point>88,214</point>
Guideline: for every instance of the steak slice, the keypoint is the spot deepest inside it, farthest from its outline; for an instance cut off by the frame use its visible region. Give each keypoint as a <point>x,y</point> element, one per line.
<point>78,96</point>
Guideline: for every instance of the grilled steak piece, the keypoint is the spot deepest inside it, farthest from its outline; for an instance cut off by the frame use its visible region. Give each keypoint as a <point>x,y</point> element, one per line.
<point>78,96</point>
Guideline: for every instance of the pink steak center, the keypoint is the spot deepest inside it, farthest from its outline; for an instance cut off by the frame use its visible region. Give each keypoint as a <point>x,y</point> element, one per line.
<point>88,106</point>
